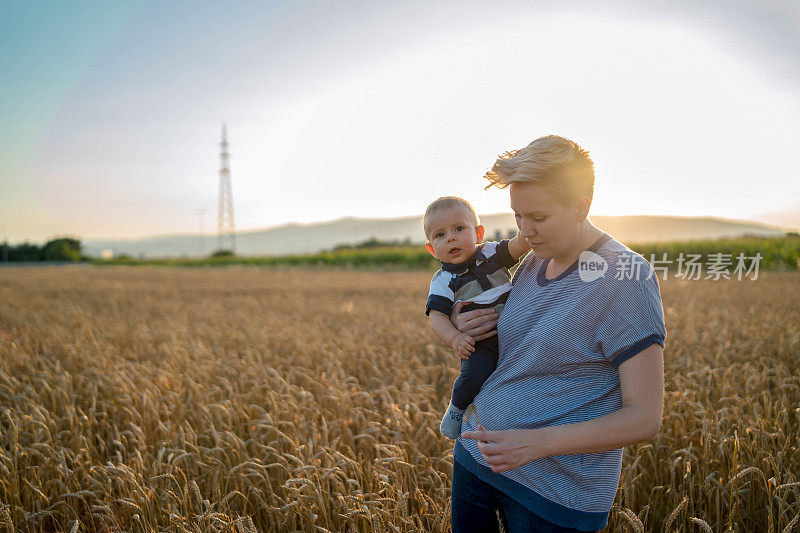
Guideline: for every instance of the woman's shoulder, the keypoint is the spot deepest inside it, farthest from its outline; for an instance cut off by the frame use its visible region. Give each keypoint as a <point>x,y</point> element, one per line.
<point>627,277</point>
<point>622,260</point>
<point>613,246</point>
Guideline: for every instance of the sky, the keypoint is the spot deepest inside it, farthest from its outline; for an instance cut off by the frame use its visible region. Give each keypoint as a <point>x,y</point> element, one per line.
<point>110,112</point>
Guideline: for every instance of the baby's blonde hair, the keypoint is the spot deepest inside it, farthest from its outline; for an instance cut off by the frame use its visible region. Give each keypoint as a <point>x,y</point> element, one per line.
<point>554,162</point>
<point>446,202</point>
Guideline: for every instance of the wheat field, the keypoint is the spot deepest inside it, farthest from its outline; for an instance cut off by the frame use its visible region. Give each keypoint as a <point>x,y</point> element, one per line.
<point>249,399</point>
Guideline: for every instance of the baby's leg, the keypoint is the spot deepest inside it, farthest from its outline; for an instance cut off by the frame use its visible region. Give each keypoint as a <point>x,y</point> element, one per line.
<point>474,372</point>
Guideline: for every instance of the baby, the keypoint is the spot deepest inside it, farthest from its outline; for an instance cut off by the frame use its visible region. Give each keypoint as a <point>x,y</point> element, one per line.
<point>471,272</point>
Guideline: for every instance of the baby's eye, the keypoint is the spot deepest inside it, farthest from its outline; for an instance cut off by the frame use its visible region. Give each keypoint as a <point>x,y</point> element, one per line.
<point>439,235</point>
<point>459,228</point>
<point>539,219</point>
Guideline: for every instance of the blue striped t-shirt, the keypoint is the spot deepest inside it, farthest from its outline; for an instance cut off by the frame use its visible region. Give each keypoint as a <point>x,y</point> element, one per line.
<point>561,342</point>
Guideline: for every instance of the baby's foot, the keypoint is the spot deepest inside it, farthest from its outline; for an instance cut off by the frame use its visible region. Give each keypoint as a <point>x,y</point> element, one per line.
<point>451,422</point>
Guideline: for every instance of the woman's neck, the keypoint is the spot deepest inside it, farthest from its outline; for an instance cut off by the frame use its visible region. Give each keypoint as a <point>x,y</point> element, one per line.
<point>588,234</point>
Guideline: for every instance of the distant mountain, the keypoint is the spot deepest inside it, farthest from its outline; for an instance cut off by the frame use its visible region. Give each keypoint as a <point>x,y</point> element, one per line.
<point>310,238</point>
<point>788,217</point>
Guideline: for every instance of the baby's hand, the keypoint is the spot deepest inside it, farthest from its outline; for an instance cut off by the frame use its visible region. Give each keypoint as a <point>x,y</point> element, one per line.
<point>463,345</point>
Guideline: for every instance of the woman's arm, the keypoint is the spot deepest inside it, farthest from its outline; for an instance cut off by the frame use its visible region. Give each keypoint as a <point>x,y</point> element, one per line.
<point>642,385</point>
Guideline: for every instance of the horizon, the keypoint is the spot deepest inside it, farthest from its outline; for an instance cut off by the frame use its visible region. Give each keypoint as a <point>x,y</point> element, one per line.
<point>377,109</point>
<point>213,235</point>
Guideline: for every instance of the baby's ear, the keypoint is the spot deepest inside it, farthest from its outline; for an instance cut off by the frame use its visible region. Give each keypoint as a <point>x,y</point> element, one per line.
<point>429,247</point>
<point>480,231</point>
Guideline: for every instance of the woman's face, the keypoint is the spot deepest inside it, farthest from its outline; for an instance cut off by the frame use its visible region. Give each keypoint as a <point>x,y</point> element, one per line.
<point>551,228</point>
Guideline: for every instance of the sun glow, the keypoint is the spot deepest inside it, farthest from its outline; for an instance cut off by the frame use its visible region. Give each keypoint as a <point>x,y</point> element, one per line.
<point>676,122</point>
<point>655,104</point>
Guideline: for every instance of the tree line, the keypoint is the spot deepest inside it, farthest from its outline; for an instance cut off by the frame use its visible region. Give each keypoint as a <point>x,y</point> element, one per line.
<point>60,249</point>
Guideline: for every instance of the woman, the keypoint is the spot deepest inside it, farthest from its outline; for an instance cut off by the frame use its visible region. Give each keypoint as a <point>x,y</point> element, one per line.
<point>580,371</point>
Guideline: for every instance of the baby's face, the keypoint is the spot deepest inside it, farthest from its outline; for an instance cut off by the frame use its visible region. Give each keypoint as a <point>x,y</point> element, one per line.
<point>453,235</point>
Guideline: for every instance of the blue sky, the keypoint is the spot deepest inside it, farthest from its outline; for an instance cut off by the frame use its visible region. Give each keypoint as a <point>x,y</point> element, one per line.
<point>111,111</point>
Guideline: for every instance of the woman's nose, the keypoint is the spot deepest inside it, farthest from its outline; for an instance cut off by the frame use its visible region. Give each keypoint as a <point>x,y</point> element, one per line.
<point>527,230</point>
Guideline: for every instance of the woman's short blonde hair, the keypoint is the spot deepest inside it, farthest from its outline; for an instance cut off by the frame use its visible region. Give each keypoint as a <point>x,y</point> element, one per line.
<point>554,162</point>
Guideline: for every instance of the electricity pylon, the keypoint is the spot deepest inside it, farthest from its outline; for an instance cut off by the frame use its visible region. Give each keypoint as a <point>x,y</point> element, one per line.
<point>227,235</point>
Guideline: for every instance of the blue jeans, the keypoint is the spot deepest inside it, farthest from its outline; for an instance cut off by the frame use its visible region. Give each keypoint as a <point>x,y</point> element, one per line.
<point>474,503</point>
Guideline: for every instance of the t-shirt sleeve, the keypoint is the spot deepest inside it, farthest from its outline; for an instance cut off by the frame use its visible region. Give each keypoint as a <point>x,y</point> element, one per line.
<point>503,256</point>
<point>498,252</point>
<point>440,296</point>
<point>633,318</point>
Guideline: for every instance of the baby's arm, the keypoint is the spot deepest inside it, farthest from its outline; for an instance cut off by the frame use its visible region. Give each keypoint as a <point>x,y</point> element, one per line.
<point>517,247</point>
<point>461,343</point>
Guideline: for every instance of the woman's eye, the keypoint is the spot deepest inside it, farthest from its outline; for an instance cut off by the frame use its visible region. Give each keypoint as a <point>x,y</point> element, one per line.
<point>539,219</point>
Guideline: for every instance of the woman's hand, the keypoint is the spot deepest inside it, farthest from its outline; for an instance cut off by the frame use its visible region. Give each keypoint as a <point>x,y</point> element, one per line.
<point>479,323</point>
<point>509,449</point>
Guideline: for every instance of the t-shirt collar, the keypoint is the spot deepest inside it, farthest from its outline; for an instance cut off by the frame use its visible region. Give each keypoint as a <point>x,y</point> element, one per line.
<point>542,280</point>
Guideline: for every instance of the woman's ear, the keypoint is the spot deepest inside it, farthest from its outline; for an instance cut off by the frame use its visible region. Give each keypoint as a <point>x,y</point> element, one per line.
<point>480,231</point>
<point>582,208</point>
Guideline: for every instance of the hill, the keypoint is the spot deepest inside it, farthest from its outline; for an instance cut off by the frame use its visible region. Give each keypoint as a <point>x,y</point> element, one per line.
<point>311,238</point>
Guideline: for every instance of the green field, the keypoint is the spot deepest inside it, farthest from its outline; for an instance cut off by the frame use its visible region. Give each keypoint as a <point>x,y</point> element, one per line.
<point>777,254</point>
